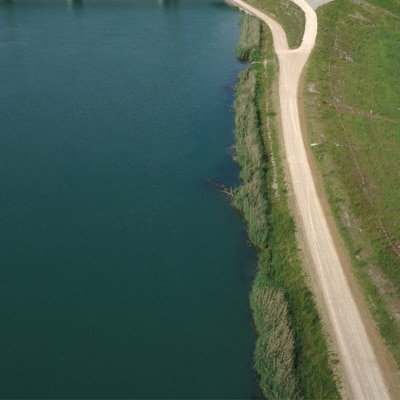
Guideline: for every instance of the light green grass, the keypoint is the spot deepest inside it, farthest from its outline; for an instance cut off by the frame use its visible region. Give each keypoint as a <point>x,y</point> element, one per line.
<point>353,109</point>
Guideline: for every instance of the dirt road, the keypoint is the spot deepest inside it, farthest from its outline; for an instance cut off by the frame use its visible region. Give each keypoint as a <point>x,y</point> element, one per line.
<point>359,364</point>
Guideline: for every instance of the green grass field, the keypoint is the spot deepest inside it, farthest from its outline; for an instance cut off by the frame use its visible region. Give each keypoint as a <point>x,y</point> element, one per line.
<point>353,109</point>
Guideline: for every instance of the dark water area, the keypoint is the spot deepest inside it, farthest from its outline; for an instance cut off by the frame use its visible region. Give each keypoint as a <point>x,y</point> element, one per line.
<point>124,273</point>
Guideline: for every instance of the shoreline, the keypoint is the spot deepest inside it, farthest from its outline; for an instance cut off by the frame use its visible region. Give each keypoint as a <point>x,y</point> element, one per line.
<point>270,226</point>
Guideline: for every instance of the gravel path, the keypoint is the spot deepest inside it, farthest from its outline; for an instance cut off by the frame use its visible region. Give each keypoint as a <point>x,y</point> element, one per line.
<point>359,364</point>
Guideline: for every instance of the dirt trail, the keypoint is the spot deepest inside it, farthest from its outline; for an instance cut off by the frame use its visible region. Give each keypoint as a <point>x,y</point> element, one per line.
<point>358,361</point>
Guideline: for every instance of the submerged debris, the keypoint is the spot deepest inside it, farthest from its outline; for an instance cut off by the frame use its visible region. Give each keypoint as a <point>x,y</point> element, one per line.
<point>222,188</point>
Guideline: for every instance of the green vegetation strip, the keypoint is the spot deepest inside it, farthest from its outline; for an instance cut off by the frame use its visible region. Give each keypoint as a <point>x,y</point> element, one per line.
<point>291,355</point>
<point>288,14</point>
<point>353,110</point>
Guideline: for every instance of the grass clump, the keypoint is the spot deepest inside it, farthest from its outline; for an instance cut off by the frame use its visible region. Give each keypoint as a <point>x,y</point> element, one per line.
<point>249,43</point>
<point>353,111</point>
<point>275,349</point>
<point>291,355</point>
<point>250,197</point>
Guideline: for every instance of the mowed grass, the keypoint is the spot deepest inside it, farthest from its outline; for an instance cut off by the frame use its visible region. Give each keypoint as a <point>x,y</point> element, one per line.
<point>353,110</point>
<point>291,355</point>
<point>288,14</point>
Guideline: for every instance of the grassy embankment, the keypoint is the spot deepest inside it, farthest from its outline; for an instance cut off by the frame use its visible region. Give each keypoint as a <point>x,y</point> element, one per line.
<point>353,110</point>
<point>288,14</point>
<point>291,355</point>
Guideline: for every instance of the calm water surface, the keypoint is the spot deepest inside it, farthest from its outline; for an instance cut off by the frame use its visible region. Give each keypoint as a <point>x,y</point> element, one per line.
<point>124,274</point>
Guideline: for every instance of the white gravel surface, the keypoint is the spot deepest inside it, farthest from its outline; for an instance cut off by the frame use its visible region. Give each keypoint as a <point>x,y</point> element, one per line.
<point>316,3</point>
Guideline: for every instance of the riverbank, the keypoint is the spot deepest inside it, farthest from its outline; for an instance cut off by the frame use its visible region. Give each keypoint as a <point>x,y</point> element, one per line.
<point>291,354</point>
<point>346,318</point>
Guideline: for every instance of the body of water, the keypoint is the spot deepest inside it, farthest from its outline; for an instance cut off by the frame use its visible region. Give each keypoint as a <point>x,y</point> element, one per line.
<point>123,272</point>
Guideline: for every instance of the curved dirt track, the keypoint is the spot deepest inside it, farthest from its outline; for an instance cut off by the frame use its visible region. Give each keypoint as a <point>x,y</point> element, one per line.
<point>358,362</point>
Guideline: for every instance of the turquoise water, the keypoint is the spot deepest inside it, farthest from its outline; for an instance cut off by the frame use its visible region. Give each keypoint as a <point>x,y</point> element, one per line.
<point>124,273</point>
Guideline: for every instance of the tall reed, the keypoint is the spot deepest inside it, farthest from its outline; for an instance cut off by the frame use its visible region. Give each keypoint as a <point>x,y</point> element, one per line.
<point>291,355</point>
